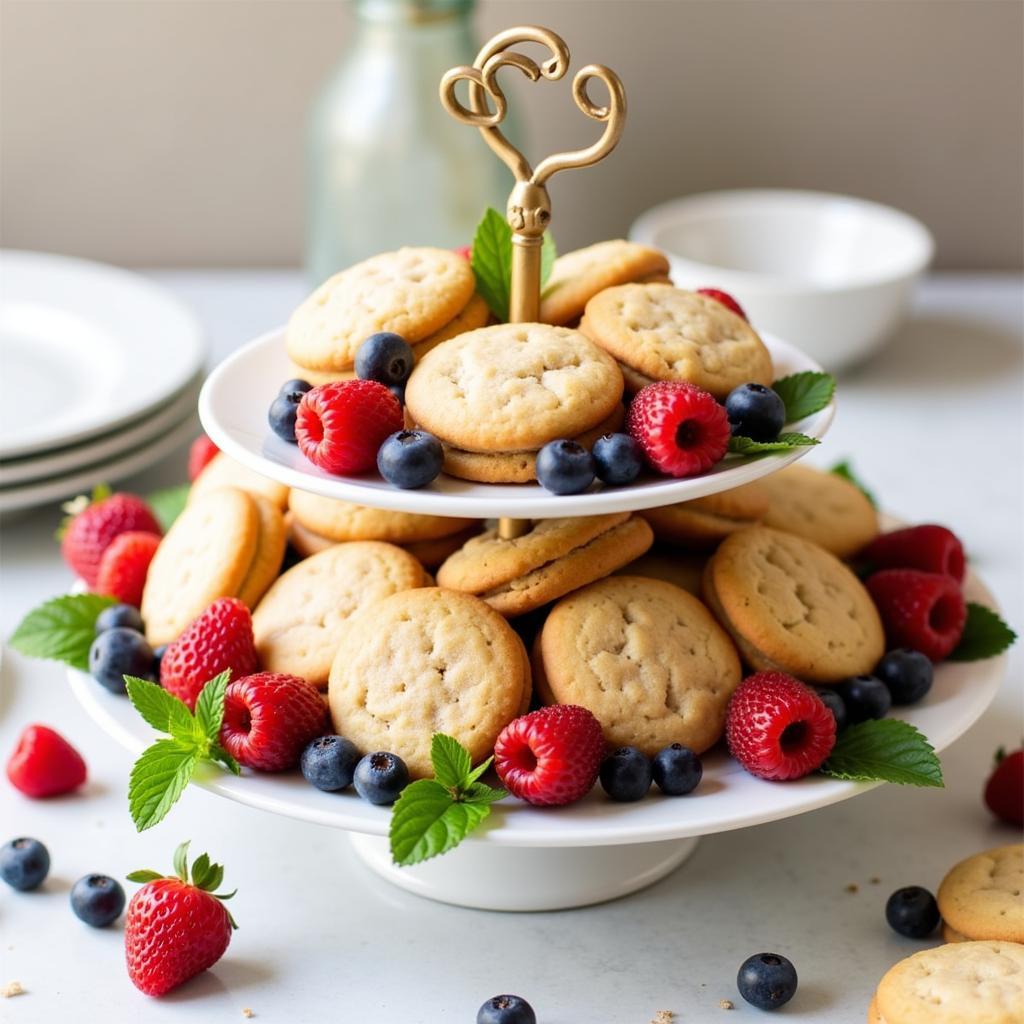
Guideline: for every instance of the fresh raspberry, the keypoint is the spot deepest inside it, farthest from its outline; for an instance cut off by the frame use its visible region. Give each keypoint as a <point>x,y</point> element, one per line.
<point>777,727</point>
<point>681,428</point>
<point>202,452</point>
<point>922,610</point>
<point>92,527</point>
<point>339,426</point>
<point>929,548</point>
<point>1004,791</point>
<point>551,756</point>
<point>725,299</point>
<point>465,251</point>
<point>221,638</point>
<point>45,764</point>
<point>124,565</point>
<point>269,718</point>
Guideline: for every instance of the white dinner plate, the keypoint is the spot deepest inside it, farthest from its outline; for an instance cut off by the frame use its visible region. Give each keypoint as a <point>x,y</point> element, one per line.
<point>84,348</point>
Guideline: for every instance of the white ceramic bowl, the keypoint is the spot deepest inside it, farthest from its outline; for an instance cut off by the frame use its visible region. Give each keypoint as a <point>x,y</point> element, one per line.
<point>832,274</point>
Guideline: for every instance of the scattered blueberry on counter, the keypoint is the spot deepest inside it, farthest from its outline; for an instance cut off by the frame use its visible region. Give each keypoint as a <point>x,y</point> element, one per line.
<point>118,652</point>
<point>625,775</point>
<point>767,980</point>
<point>913,912</point>
<point>506,1009</point>
<point>24,863</point>
<point>676,770</point>
<point>380,777</point>
<point>410,459</point>
<point>618,459</point>
<point>98,900</point>
<point>565,467</point>
<point>755,411</point>
<point>329,763</point>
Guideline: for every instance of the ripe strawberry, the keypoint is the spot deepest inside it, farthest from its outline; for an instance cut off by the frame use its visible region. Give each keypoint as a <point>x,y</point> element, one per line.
<point>92,526</point>
<point>339,426</point>
<point>123,567</point>
<point>221,638</point>
<point>465,251</point>
<point>922,610</point>
<point>929,548</point>
<point>725,299</point>
<point>1004,791</point>
<point>550,756</point>
<point>777,727</point>
<point>269,718</point>
<point>200,453</point>
<point>45,764</point>
<point>681,428</point>
<point>174,930</point>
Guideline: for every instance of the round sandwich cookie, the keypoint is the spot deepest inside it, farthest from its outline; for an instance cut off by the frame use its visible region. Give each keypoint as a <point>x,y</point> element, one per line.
<point>269,554</point>
<point>647,658</point>
<point>982,897</point>
<point>703,522</point>
<point>791,606</point>
<point>658,332</point>
<point>427,661</point>
<point>682,568</point>
<point>224,471</point>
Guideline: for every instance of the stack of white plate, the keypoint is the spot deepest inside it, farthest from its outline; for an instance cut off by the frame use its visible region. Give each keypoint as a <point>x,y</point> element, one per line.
<point>100,370</point>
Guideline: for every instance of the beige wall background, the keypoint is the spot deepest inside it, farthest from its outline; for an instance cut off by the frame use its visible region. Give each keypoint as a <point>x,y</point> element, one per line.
<point>169,132</point>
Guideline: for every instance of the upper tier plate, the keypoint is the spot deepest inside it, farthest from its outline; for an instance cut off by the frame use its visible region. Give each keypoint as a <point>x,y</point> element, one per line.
<point>233,408</point>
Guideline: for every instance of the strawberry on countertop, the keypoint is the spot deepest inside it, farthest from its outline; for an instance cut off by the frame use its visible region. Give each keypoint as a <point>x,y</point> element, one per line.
<point>1004,791</point>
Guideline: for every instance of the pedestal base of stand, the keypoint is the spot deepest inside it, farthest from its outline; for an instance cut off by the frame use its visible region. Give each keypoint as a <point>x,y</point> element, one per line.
<point>528,878</point>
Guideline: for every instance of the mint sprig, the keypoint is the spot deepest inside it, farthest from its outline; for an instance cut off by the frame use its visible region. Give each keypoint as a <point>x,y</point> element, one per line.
<point>434,815</point>
<point>739,445</point>
<point>164,769</point>
<point>985,635</point>
<point>804,393</point>
<point>61,629</point>
<point>168,504</point>
<point>845,470</point>
<point>884,750</point>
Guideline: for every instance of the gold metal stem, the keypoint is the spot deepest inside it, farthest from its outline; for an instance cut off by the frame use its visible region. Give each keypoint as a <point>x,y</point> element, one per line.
<point>509,528</point>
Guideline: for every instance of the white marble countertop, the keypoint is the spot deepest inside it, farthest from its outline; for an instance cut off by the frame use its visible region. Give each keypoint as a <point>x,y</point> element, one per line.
<point>933,425</point>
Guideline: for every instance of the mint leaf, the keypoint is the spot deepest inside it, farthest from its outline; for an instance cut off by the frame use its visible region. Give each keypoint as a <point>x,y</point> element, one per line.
<point>886,750</point>
<point>210,706</point>
<point>739,445</point>
<point>451,761</point>
<point>162,710</point>
<point>804,393</point>
<point>168,504</point>
<point>427,822</point>
<point>62,629</point>
<point>218,755</point>
<point>985,635</point>
<point>479,793</point>
<point>845,470</point>
<point>158,778</point>
<point>477,772</point>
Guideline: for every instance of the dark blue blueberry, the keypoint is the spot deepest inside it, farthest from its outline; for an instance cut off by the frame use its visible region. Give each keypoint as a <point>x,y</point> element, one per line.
<point>329,763</point>
<point>506,1010</point>
<point>907,673</point>
<point>410,459</point>
<point>398,390</point>
<point>755,411</point>
<point>126,615</point>
<point>386,358</point>
<point>835,704</point>
<point>118,652</point>
<point>676,770</point>
<point>766,980</point>
<point>565,467</point>
<point>24,863</point>
<point>281,415</point>
<point>97,900</point>
<point>626,774</point>
<point>158,657</point>
<point>295,386</point>
<point>865,697</point>
<point>912,911</point>
<point>618,459</point>
<point>380,777</point>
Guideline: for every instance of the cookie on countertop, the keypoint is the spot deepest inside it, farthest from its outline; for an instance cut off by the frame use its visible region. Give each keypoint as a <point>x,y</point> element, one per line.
<point>791,606</point>
<point>271,542</point>
<point>647,658</point>
<point>982,897</point>
<point>426,661</point>
<point>224,471</point>
<point>703,522</point>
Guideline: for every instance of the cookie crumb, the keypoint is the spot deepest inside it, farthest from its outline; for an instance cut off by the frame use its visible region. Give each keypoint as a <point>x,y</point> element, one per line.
<point>663,1017</point>
<point>853,887</point>
<point>726,1004</point>
<point>11,989</point>
<point>874,880</point>
<point>246,1012</point>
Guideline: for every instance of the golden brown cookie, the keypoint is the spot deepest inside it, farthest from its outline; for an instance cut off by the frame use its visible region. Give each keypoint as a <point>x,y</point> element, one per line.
<point>703,522</point>
<point>874,1017</point>
<point>982,897</point>
<point>426,661</point>
<point>681,568</point>
<point>269,553</point>
<point>791,606</point>
<point>952,935</point>
<point>224,471</point>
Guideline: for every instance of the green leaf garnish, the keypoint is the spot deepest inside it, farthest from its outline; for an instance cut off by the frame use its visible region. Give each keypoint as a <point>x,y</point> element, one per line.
<point>804,393</point>
<point>845,470</point>
<point>62,629</point>
<point>158,778</point>
<point>168,504</point>
<point>739,445</point>
<point>451,761</point>
<point>884,750</point>
<point>985,635</point>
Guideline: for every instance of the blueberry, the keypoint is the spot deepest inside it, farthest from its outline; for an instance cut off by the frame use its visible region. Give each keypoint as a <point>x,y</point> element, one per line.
<point>281,415</point>
<point>329,763</point>
<point>766,980</point>
<point>380,777</point>
<point>295,386</point>
<point>24,863</point>
<point>506,1010</point>
<point>835,704</point>
<point>676,770</point>
<point>97,900</point>
<point>118,652</point>
<point>912,911</point>
<point>865,697</point>
<point>410,459</point>
<point>908,675</point>
<point>158,658</point>
<point>565,467</point>
<point>626,774</point>
<point>126,615</point>
<point>398,390</point>
<point>618,459</point>
<point>755,411</point>
<point>386,358</point>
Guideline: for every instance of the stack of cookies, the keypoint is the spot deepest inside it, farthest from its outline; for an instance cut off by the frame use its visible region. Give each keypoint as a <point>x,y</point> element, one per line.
<point>982,897</point>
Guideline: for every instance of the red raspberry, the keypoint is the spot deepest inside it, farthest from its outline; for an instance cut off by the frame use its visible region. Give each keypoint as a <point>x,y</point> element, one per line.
<point>551,756</point>
<point>199,455</point>
<point>93,526</point>
<point>929,548</point>
<point>725,299</point>
<point>45,764</point>
<point>1004,791</point>
<point>124,565</point>
<point>921,610</point>
<point>269,718</point>
<point>221,638</point>
<point>777,727</point>
<point>465,251</point>
<point>681,428</point>
<point>340,426</point>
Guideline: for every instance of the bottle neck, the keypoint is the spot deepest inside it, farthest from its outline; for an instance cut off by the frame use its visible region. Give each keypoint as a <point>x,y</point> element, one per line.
<point>412,12</point>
